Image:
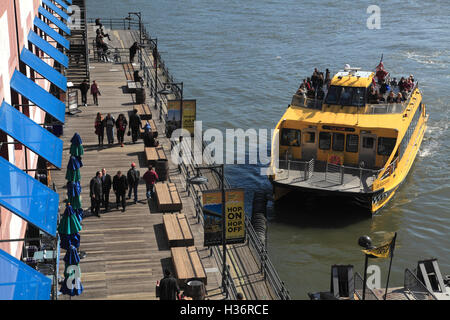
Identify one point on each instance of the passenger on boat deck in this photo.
(327, 76)
(381, 73)
(301, 90)
(315, 78)
(320, 80)
(394, 83)
(404, 95)
(308, 84)
(391, 97)
(373, 96)
(399, 98)
(311, 93)
(402, 84)
(380, 97)
(384, 87)
(411, 77)
(409, 84)
(320, 93)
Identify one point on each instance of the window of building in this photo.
(290, 137)
(352, 143)
(325, 140)
(338, 141)
(386, 145)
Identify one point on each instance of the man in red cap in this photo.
(133, 181)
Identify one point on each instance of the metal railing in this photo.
(416, 288)
(359, 283)
(311, 103)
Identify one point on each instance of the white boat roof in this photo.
(354, 73)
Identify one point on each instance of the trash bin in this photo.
(140, 95)
(195, 289)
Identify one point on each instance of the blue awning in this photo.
(18, 281)
(49, 73)
(52, 33)
(69, 1)
(30, 134)
(62, 4)
(48, 49)
(33, 92)
(55, 8)
(54, 20)
(28, 198)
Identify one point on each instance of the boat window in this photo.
(324, 140)
(346, 96)
(338, 141)
(352, 143)
(310, 137)
(333, 95)
(368, 142)
(290, 137)
(386, 145)
(358, 98)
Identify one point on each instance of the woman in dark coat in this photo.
(99, 128)
(121, 125)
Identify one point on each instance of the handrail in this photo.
(414, 286)
(359, 283)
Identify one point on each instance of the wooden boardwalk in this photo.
(128, 251)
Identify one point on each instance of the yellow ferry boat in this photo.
(347, 145)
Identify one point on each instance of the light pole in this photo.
(199, 180)
(139, 15)
(366, 243)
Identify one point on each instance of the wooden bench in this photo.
(167, 197)
(129, 71)
(144, 112)
(187, 265)
(178, 231)
(154, 154)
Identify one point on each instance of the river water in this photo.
(243, 60)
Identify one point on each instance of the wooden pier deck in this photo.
(128, 251)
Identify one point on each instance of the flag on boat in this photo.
(384, 251)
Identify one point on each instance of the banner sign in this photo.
(174, 118)
(234, 212)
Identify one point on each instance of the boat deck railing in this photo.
(295, 171)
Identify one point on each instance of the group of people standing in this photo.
(134, 125)
(313, 87)
(108, 124)
(101, 184)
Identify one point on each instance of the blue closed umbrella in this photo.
(68, 240)
(71, 256)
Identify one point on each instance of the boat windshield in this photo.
(346, 96)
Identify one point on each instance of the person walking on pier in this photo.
(168, 287)
(135, 125)
(106, 185)
(120, 188)
(109, 125)
(95, 92)
(121, 126)
(84, 88)
(133, 181)
(99, 128)
(95, 193)
(133, 49)
(150, 178)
